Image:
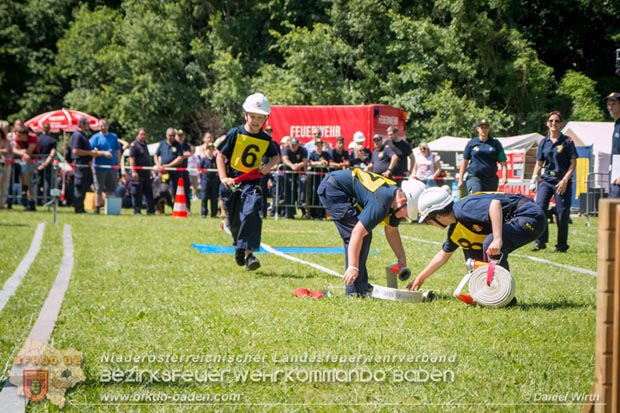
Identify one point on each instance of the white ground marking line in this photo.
(288, 257)
(10, 400)
(10, 286)
(536, 259)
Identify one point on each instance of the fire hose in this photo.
(489, 285)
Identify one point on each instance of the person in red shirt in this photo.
(25, 145)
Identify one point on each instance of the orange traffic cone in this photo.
(180, 208)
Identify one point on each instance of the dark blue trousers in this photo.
(482, 183)
(344, 214)
(243, 209)
(140, 189)
(546, 190)
(523, 226)
(83, 179)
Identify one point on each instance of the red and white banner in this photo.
(333, 121)
(517, 187)
(515, 164)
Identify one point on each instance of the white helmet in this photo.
(431, 200)
(257, 103)
(412, 189)
(358, 137)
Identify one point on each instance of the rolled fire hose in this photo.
(489, 286)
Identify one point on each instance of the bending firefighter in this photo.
(492, 223)
(239, 159)
(358, 201)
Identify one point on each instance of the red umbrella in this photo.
(65, 120)
(62, 119)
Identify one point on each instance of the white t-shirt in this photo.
(193, 163)
(425, 164)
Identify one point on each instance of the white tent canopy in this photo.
(597, 134)
(451, 148)
(513, 143)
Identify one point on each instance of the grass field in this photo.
(139, 289)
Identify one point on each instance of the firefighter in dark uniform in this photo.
(480, 158)
(141, 179)
(494, 223)
(82, 155)
(169, 154)
(242, 153)
(358, 201)
(558, 156)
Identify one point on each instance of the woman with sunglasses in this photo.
(427, 164)
(558, 156)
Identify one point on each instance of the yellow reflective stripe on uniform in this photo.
(248, 152)
(371, 180)
(466, 239)
(484, 193)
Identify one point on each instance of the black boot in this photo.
(24, 197)
(31, 206)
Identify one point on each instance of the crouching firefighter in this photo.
(358, 201)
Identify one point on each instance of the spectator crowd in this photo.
(91, 167)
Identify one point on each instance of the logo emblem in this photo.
(35, 384)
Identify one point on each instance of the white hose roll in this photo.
(498, 294)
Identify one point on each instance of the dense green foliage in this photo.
(190, 63)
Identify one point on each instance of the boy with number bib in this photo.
(240, 156)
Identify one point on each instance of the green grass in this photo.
(138, 288)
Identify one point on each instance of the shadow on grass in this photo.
(554, 305)
(8, 224)
(273, 274)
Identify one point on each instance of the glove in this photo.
(533, 183)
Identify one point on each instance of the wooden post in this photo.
(615, 366)
(605, 393)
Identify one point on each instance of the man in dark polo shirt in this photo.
(141, 179)
(47, 148)
(169, 155)
(82, 155)
(405, 154)
(186, 152)
(384, 159)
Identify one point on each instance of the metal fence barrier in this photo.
(588, 202)
(292, 190)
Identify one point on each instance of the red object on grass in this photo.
(466, 298)
(303, 292)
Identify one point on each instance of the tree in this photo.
(27, 51)
(580, 93)
(133, 70)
